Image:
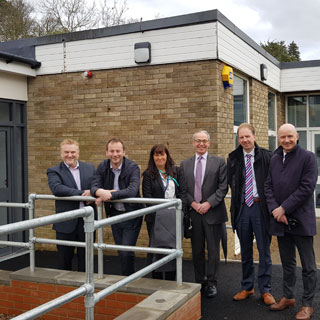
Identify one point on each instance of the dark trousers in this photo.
(251, 224)
(287, 247)
(126, 233)
(66, 253)
(202, 234)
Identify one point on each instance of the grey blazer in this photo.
(214, 186)
(62, 184)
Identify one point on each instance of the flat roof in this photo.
(26, 47)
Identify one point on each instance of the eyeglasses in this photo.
(198, 141)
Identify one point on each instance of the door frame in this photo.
(312, 134)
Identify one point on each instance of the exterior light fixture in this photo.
(142, 52)
(263, 72)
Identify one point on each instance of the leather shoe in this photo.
(268, 298)
(211, 291)
(282, 304)
(242, 295)
(304, 313)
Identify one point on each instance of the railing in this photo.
(90, 225)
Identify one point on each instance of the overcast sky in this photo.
(262, 20)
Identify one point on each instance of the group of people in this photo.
(271, 194)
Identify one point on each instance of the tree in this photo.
(281, 51)
(60, 16)
(16, 21)
(293, 51)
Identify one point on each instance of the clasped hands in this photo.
(279, 215)
(201, 208)
(103, 195)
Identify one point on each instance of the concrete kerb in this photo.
(164, 297)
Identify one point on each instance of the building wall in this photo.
(142, 105)
(13, 86)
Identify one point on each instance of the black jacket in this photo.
(129, 183)
(236, 180)
(152, 187)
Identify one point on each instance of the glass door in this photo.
(4, 181)
(315, 147)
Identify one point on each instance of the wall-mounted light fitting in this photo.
(263, 72)
(142, 52)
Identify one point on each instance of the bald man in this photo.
(289, 192)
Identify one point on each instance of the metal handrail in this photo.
(90, 225)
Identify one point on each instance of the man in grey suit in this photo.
(70, 178)
(206, 183)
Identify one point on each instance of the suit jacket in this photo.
(62, 184)
(153, 188)
(291, 184)
(214, 187)
(236, 180)
(129, 182)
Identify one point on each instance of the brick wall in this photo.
(143, 105)
(22, 296)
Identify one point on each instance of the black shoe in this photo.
(211, 291)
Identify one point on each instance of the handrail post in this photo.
(179, 241)
(31, 232)
(89, 230)
(100, 241)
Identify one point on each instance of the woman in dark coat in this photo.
(162, 179)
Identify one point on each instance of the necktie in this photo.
(198, 178)
(248, 196)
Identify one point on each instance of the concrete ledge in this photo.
(4, 277)
(164, 297)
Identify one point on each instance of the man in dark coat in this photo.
(70, 178)
(206, 183)
(117, 178)
(289, 192)
(249, 163)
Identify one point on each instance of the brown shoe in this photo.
(242, 295)
(268, 298)
(282, 304)
(304, 313)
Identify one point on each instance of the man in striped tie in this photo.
(247, 171)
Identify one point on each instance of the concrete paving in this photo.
(221, 307)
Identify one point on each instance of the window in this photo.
(240, 100)
(314, 111)
(297, 111)
(240, 104)
(272, 121)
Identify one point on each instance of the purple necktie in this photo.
(198, 178)
(248, 196)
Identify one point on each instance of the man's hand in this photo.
(105, 195)
(195, 206)
(87, 193)
(201, 208)
(204, 207)
(99, 201)
(279, 215)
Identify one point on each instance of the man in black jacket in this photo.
(247, 169)
(117, 178)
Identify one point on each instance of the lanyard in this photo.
(169, 178)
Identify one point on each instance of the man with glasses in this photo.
(206, 183)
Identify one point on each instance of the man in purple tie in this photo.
(248, 167)
(206, 184)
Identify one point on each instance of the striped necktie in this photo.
(248, 196)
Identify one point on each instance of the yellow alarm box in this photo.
(227, 76)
